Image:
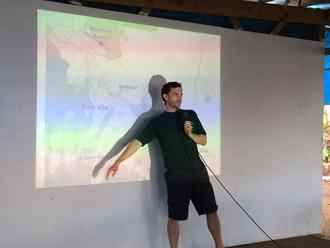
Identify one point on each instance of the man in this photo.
(178, 132)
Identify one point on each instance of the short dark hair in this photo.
(167, 87)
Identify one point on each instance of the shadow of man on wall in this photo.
(156, 212)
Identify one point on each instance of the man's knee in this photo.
(172, 221)
(212, 216)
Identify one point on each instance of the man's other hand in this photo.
(113, 169)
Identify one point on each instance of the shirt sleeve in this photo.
(147, 134)
(197, 125)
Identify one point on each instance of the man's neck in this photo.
(170, 109)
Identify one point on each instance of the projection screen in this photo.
(94, 80)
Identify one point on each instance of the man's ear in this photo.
(165, 96)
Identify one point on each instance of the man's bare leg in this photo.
(213, 223)
(173, 231)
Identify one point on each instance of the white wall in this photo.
(271, 91)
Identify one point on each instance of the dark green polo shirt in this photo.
(180, 154)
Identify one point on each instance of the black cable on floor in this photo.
(232, 197)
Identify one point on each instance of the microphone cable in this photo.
(233, 198)
(182, 117)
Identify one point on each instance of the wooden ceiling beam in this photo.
(279, 27)
(233, 8)
(313, 2)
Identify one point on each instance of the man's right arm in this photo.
(130, 149)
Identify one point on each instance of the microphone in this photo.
(181, 117)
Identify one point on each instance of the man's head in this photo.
(172, 94)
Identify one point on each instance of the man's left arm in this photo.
(200, 139)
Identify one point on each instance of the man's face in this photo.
(174, 98)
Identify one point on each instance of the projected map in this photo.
(93, 81)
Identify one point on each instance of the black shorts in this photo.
(179, 195)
